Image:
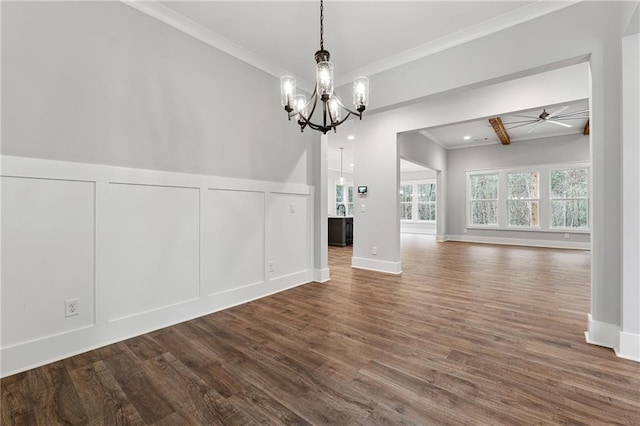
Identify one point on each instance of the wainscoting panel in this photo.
(153, 243)
(139, 249)
(48, 229)
(288, 227)
(233, 245)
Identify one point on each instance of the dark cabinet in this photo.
(340, 231)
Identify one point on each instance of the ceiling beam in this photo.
(498, 127)
(586, 129)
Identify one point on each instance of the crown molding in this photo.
(168, 16)
(526, 13)
(499, 23)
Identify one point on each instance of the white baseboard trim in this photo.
(39, 352)
(377, 265)
(574, 245)
(321, 275)
(418, 231)
(441, 238)
(629, 347)
(602, 333)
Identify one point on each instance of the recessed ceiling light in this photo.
(351, 137)
(352, 164)
(466, 138)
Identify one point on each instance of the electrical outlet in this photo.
(292, 207)
(271, 266)
(71, 308)
(567, 236)
(363, 208)
(374, 250)
(464, 230)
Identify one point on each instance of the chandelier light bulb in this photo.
(331, 107)
(361, 92)
(300, 106)
(287, 90)
(325, 79)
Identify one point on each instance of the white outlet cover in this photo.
(71, 307)
(363, 208)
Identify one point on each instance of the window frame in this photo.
(544, 194)
(469, 200)
(415, 203)
(587, 199)
(536, 200)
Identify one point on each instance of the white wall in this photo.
(100, 82)
(630, 318)
(140, 249)
(108, 102)
(536, 152)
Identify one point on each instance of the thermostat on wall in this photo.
(362, 190)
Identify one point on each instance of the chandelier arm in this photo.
(321, 25)
(357, 114)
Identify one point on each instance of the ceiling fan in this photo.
(556, 117)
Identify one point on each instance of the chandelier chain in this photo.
(321, 25)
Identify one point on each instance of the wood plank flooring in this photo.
(468, 334)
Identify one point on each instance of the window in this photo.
(522, 199)
(406, 202)
(569, 195)
(426, 201)
(483, 194)
(546, 197)
(344, 197)
(418, 201)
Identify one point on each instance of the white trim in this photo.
(49, 349)
(199, 32)
(321, 275)
(181, 23)
(573, 245)
(377, 265)
(441, 238)
(602, 333)
(629, 347)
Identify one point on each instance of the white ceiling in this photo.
(364, 38)
(451, 136)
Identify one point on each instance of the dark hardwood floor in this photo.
(468, 334)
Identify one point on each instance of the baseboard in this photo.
(418, 231)
(573, 245)
(441, 238)
(377, 265)
(321, 275)
(629, 346)
(39, 352)
(602, 333)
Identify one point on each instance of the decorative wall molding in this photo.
(149, 227)
(199, 32)
(574, 245)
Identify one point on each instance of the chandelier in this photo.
(297, 106)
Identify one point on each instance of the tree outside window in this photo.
(523, 199)
(406, 202)
(569, 194)
(483, 199)
(426, 201)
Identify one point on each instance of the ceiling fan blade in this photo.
(556, 112)
(534, 126)
(559, 123)
(526, 116)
